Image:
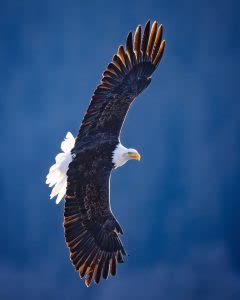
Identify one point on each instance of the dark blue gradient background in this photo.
(179, 207)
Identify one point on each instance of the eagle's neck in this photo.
(119, 157)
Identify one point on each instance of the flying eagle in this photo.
(81, 174)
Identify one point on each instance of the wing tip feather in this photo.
(146, 48)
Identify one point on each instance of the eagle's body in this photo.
(82, 172)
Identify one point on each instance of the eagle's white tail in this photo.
(57, 176)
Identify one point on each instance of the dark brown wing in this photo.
(91, 230)
(126, 76)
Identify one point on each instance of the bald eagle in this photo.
(81, 174)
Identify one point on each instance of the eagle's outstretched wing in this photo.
(126, 77)
(91, 230)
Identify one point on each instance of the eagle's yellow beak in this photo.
(136, 156)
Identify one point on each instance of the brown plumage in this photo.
(131, 66)
(91, 230)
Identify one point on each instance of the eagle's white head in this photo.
(122, 154)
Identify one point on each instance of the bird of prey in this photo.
(81, 174)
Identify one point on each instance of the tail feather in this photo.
(57, 176)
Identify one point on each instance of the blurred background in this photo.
(179, 207)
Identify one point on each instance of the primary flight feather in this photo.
(82, 171)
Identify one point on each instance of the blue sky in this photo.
(179, 207)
